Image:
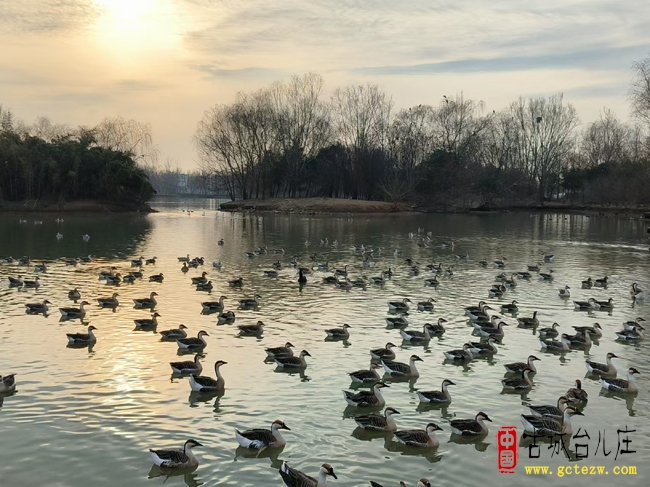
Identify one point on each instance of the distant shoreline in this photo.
(342, 205)
(85, 206)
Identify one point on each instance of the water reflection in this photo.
(190, 478)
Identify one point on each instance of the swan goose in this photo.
(518, 383)
(519, 367)
(205, 286)
(147, 322)
(82, 338)
(200, 280)
(397, 321)
(339, 333)
(596, 330)
(550, 332)
(201, 383)
(74, 295)
(378, 422)
(470, 427)
(461, 355)
(510, 308)
(400, 369)
(32, 284)
(256, 329)
(484, 348)
(384, 353)
(418, 336)
(371, 398)
(260, 439)
(75, 312)
(291, 362)
(441, 396)
(631, 325)
(489, 331)
(548, 411)
(621, 385)
(635, 334)
(213, 305)
(187, 367)
(176, 458)
(563, 344)
(577, 393)
(7, 383)
(366, 376)
(38, 307)
(286, 350)
(420, 438)
(591, 303)
(250, 302)
(565, 293)
(111, 302)
(528, 322)
(193, 343)
(149, 302)
(295, 478)
(399, 305)
(175, 333)
(550, 426)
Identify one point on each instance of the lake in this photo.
(88, 417)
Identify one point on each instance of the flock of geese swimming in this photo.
(487, 333)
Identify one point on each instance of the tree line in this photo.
(287, 141)
(55, 163)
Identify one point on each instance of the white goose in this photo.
(176, 458)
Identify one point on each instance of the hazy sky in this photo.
(166, 61)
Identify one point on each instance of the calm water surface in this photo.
(88, 417)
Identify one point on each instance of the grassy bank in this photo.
(315, 205)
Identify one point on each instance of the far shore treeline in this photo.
(287, 141)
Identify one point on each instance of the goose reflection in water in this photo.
(190, 478)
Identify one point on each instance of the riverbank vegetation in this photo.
(286, 141)
(50, 165)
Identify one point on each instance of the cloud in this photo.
(45, 16)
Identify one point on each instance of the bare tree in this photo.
(640, 91)
(130, 136)
(605, 140)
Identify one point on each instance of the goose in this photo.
(341, 272)
(295, 478)
(437, 329)
(586, 305)
(432, 282)
(136, 274)
(74, 312)
(25, 261)
(450, 271)
(546, 276)
(371, 398)
(524, 275)
(358, 282)
(174, 334)
(147, 323)
(482, 348)
(577, 393)
(549, 257)
(383, 353)
(588, 283)
(460, 355)
(278, 251)
(483, 263)
(239, 282)
(260, 439)
(74, 295)
(637, 293)
(549, 332)
(177, 458)
(149, 302)
(609, 304)
(621, 385)
(200, 280)
(441, 396)
(220, 242)
(8, 260)
(450, 244)
(184, 259)
(187, 367)
(426, 305)
(226, 317)
(417, 336)
(470, 427)
(535, 268)
(345, 284)
(217, 264)
(546, 426)
(510, 283)
(7, 383)
(59, 236)
(40, 267)
(366, 376)
(38, 307)
(250, 302)
(596, 330)
(330, 280)
(563, 345)
(193, 343)
(631, 325)
(518, 383)
(340, 333)
(157, 278)
(463, 256)
(273, 274)
(580, 339)
(129, 278)
(71, 262)
(105, 274)
(496, 291)
(379, 280)
(206, 286)
(137, 262)
(399, 369)
(601, 282)
(635, 334)
(564, 293)
(489, 331)
(475, 312)
(114, 280)
(211, 306)
(378, 422)
(151, 261)
(286, 350)
(420, 438)
(291, 362)
(82, 338)
(202, 383)
(397, 321)
(518, 367)
(529, 322)
(548, 411)
(185, 269)
(399, 305)
(32, 284)
(606, 369)
(256, 329)
(500, 263)
(484, 322)
(436, 269)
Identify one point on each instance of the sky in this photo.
(165, 62)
